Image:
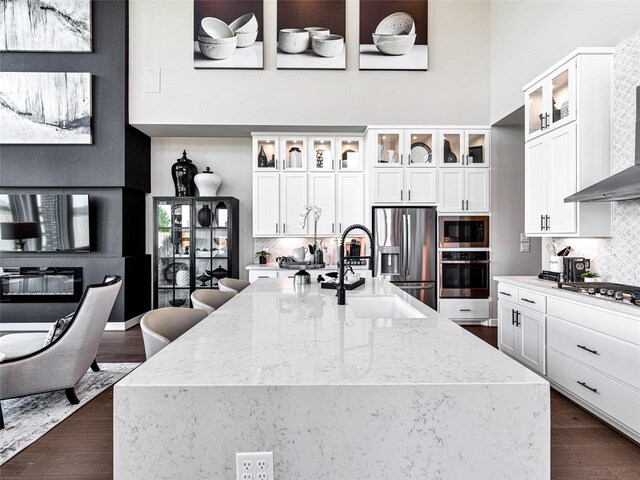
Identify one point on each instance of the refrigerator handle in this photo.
(409, 249)
(404, 244)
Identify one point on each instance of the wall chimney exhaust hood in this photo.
(624, 185)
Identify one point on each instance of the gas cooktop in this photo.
(615, 292)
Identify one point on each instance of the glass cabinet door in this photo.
(173, 223)
(293, 153)
(321, 154)
(477, 148)
(421, 148)
(350, 154)
(210, 246)
(265, 153)
(535, 106)
(388, 149)
(562, 95)
(451, 149)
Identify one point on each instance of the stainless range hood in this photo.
(621, 186)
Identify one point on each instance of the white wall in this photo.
(455, 90)
(229, 157)
(527, 37)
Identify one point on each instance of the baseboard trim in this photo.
(43, 327)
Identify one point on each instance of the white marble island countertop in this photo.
(333, 396)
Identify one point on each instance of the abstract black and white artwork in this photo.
(45, 107)
(45, 25)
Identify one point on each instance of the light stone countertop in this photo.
(548, 287)
(269, 335)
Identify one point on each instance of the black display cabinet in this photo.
(195, 244)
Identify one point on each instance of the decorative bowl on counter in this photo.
(293, 40)
(211, 27)
(399, 23)
(247, 23)
(327, 45)
(394, 44)
(313, 31)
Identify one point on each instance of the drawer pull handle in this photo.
(465, 309)
(527, 300)
(263, 276)
(505, 293)
(594, 390)
(595, 352)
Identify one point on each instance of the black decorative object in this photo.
(203, 279)
(557, 113)
(219, 272)
(475, 154)
(449, 156)
(178, 302)
(204, 216)
(319, 158)
(183, 173)
(262, 158)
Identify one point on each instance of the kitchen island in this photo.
(336, 392)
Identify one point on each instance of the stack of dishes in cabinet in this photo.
(218, 41)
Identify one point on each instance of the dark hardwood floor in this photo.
(81, 447)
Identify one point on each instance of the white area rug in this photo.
(28, 418)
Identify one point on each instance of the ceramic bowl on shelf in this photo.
(313, 31)
(327, 45)
(247, 23)
(218, 51)
(246, 39)
(211, 27)
(399, 23)
(293, 40)
(394, 44)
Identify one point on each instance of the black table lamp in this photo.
(19, 231)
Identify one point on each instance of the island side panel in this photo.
(348, 432)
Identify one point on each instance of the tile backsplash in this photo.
(283, 247)
(617, 259)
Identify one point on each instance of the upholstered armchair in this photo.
(30, 367)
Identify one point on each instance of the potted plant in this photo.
(262, 256)
(589, 276)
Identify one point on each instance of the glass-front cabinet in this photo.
(420, 148)
(349, 153)
(265, 153)
(464, 148)
(195, 245)
(293, 153)
(322, 154)
(388, 149)
(551, 102)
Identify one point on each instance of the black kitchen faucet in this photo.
(341, 293)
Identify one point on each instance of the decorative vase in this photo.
(219, 273)
(319, 258)
(204, 216)
(222, 215)
(295, 158)
(208, 183)
(449, 156)
(183, 173)
(262, 158)
(182, 278)
(262, 260)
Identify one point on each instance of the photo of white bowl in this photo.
(327, 45)
(246, 39)
(394, 44)
(217, 41)
(293, 40)
(218, 50)
(399, 23)
(313, 31)
(247, 23)
(214, 28)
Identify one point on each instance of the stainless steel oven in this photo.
(464, 232)
(464, 274)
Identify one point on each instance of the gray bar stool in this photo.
(162, 326)
(232, 285)
(210, 300)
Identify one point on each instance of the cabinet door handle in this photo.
(402, 159)
(595, 352)
(277, 227)
(462, 204)
(284, 227)
(527, 300)
(548, 222)
(400, 195)
(263, 276)
(505, 293)
(408, 158)
(541, 222)
(409, 193)
(333, 165)
(467, 206)
(465, 309)
(340, 227)
(333, 228)
(594, 390)
(284, 164)
(546, 120)
(513, 317)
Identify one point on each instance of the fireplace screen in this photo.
(47, 284)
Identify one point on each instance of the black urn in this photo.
(204, 216)
(183, 173)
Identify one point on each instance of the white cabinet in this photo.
(293, 153)
(349, 154)
(266, 204)
(322, 193)
(293, 197)
(464, 190)
(521, 334)
(262, 273)
(465, 310)
(388, 185)
(421, 185)
(468, 148)
(264, 153)
(322, 154)
(405, 186)
(350, 200)
(568, 147)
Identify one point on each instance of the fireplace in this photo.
(40, 284)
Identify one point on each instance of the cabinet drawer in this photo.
(617, 325)
(602, 352)
(465, 308)
(612, 397)
(257, 274)
(508, 293)
(534, 301)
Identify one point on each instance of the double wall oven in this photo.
(464, 273)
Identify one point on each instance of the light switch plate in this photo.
(524, 238)
(525, 247)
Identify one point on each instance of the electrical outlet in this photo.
(525, 247)
(254, 466)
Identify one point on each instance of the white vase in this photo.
(182, 278)
(208, 183)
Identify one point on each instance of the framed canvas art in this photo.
(228, 34)
(393, 35)
(311, 34)
(45, 108)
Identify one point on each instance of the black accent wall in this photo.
(115, 171)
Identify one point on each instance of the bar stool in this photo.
(162, 326)
(210, 300)
(232, 285)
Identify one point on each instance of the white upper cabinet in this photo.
(265, 153)
(322, 194)
(322, 154)
(477, 191)
(568, 147)
(293, 153)
(351, 200)
(266, 204)
(464, 148)
(420, 148)
(388, 186)
(349, 154)
(422, 186)
(293, 197)
(387, 149)
(464, 190)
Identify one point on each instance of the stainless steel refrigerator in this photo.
(406, 249)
